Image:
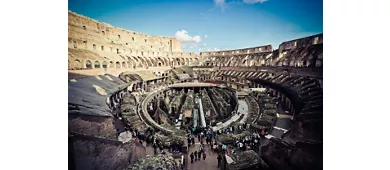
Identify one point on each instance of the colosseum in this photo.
(137, 101)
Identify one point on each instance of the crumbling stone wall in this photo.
(302, 42)
(280, 155)
(302, 52)
(92, 126)
(87, 29)
(265, 48)
(91, 153)
(97, 45)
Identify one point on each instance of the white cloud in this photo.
(184, 37)
(196, 38)
(205, 36)
(220, 3)
(204, 44)
(188, 45)
(254, 1)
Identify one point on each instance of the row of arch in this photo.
(248, 62)
(132, 62)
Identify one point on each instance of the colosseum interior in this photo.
(135, 101)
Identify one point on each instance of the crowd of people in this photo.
(250, 142)
(203, 134)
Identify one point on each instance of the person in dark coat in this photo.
(189, 141)
(192, 157)
(192, 140)
(204, 155)
(196, 155)
(219, 158)
(199, 155)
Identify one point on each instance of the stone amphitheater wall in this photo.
(91, 153)
(81, 28)
(302, 42)
(91, 41)
(251, 50)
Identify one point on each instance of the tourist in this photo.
(219, 158)
(183, 162)
(215, 147)
(241, 146)
(204, 155)
(196, 155)
(199, 155)
(189, 141)
(155, 151)
(192, 140)
(192, 157)
(223, 148)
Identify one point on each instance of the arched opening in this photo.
(97, 64)
(159, 64)
(160, 60)
(77, 64)
(304, 63)
(124, 65)
(129, 65)
(141, 62)
(118, 64)
(187, 61)
(112, 65)
(148, 62)
(153, 62)
(104, 64)
(88, 64)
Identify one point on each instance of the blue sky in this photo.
(204, 25)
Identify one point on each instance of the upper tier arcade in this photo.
(302, 52)
(86, 32)
(96, 45)
(301, 42)
(252, 50)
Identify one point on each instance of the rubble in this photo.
(246, 160)
(159, 162)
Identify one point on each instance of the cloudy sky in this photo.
(204, 25)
